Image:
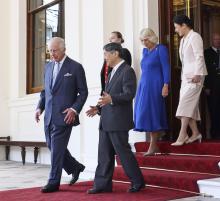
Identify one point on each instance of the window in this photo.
(45, 19)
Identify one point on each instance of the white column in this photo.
(4, 71)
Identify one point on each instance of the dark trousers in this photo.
(57, 138)
(109, 144)
(214, 108)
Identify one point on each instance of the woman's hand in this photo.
(165, 90)
(196, 78)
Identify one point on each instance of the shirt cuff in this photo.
(74, 111)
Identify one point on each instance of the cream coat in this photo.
(193, 63)
(192, 56)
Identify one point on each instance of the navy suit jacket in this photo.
(69, 91)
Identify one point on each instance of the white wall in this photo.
(4, 72)
(88, 25)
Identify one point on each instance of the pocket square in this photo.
(67, 75)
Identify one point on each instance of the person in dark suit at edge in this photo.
(64, 94)
(116, 119)
(212, 84)
(115, 37)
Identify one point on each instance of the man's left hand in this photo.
(70, 116)
(105, 99)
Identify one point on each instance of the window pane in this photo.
(45, 23)
(38, 63)
(52, 17)
(54, 24)
(39, 30)
(37, 3)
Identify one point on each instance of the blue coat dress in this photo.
(149, 110)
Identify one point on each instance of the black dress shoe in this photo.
(95, 191)
(135, 189)
(49, 188)
(75, 174)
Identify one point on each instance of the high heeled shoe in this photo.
(194, 139)
(152, 152)
(180, 143)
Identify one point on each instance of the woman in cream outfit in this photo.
(192, 76)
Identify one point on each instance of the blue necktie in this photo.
(56, 70)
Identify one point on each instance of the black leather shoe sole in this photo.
(49, 189)
(96, 191)
(76, 175)
(134, 189)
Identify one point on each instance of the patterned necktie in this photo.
(56, 70)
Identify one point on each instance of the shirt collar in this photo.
(61, 62)
(214, 48)
(115, 68)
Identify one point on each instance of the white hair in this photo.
(149, 34)
(58, 40)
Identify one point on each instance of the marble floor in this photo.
(14, 175)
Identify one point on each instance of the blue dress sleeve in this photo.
(164, 60)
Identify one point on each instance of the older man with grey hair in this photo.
(64, 94)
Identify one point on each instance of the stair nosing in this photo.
(178, 154)
(167, 188)
(177, 171)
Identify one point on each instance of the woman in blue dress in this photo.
(150, 111)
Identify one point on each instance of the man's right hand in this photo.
(37, 115)
(92, 111)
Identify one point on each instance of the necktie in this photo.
(56, 70)
(112, 74)
(218, 52)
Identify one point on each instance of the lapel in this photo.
(181, 49)
(187, 40)
(114, 78)
(60, 75)
(184, 43)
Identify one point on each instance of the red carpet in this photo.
(177, 167)
(178, 180)
(180, 169)
(204, 148)
(78, 193)
(183, 163)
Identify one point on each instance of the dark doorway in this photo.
(206, 18)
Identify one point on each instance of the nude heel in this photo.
(194, 139)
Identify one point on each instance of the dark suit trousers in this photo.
(214, 108)
(109, 144)
(57, 138)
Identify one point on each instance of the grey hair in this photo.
(149, 34)
(58, 40)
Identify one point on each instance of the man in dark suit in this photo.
(65, 92)
(115, 122)
(212, 84)
(115, 37)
